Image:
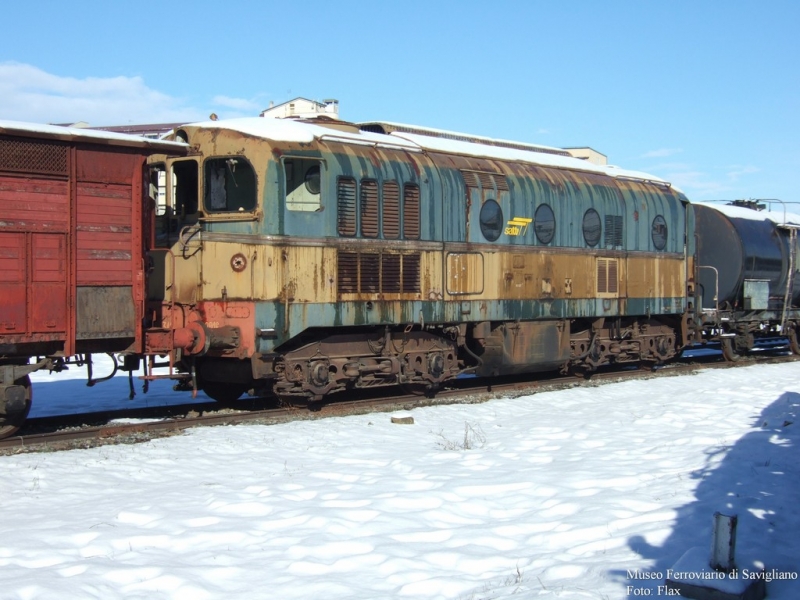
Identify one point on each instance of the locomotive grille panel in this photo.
(347, 273)
(369, 208)
(411, 273)
(411, 212)
(346, 203)
(471, 179)
(370, 273)
(391, 210)
(33, 157)
(487, 181)
(391, 273)
(613, 228)
(374, 273)
(607, 276)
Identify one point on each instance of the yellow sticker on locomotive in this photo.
(517, 226)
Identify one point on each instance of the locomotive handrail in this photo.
(789, 275)
(189, 231)
(346, 140)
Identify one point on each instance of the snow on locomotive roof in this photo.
(518, 155)
(306, 131)
(301, 131)
(88, 135)
(389, 127)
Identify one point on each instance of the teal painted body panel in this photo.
(270, 315)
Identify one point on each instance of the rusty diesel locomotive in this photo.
(310, 257)
(304, 257)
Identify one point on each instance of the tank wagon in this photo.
(74, 232)
(748, 284)
(309, 257)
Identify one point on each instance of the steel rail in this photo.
(469, 392)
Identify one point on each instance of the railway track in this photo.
(116, 431)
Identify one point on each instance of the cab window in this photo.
(303, 179)
(230, 185)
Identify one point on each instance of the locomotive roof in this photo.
(401, 137)
(59, 132)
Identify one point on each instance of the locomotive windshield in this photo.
(230, 185)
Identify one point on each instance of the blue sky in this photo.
(704, 94)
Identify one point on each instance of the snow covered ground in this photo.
(576, 494)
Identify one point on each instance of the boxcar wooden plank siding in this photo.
(104, 239)
(48, 283)
(13, 268)
(32, 205)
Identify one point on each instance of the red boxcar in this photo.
(74, 231)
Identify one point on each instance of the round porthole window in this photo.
(491, 219)
(312, 179)
(544, 224)
(591, 227)
(659, 233)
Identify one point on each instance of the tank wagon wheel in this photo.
(11, 423)
(729, 352)
(794, 343)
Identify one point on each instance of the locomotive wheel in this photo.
(729, 350)
(10, 424)
(794, 343)
(224, 393)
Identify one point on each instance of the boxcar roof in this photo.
(76, 134)
(306, 132)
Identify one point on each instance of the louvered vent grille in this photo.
(607, 276)
(411, 273)
(378, 273)
(391, 274)
(369, 208)
(391, 210)
(33, 157)
(488, 181)
(602, 276)
(346, 202)
(411, 212)
(501, 183)
(347, 273)
(613, 231)
(613, 278)
(471, 179)
(370, 273)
